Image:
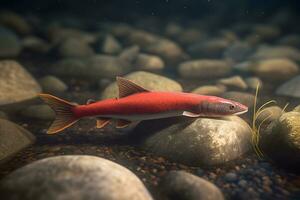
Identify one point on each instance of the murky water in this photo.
(75, 50)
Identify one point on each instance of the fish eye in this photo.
(231, 107)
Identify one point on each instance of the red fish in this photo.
(136, 104)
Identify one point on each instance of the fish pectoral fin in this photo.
(190, 114)
(102, 122)
(121, 123)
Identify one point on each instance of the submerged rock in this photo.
(14, 138)
(3, 115)
(110, 45)
(73, 47)
(35, 44)
(10, 45)
(167, 50)
(73, 177)
(14, 22)
(281, 140)
(238, 51)
(269, 114)
(204, 69)
(150, 63)
(267, 52)
(234, 82)
(145, 79)
(41, 112)
(16, 83)
(186, 186)
(266, 32)
(242, 97)
(252, 82)
(197, 142)
(53, 85)
(214, 90)
(290, 88)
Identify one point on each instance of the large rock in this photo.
(52, 84)
(275, 69)
(281, 140)
(73, 47)
(73, 177)
(267, 52)
(146, 79)
(237, 51)
(110, 45)
(14, 22)
(40, 112)
(16, 83)
(186, 186)
(204, 69)
(291, 88)
(148, 62)
(197, 142)
(10, 45)
(234, 82)
(214, 90)
(14, 138)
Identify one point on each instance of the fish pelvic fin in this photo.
(64, 113)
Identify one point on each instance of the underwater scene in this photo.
(149, 100)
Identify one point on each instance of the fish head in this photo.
(217, 106)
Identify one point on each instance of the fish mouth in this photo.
(241, 112)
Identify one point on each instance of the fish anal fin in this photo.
(121, 123)
(101, 123)
(127, 87)
(190, 114)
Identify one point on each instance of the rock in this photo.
(120, 30)
(105, 66)
(268, 52)
(290, 88)
(204, 69)
(234, 82)
(190, 36)
(58, 35)
(150, 63)
(71, 67)
(231, 177)
(14, 138)
(145, 79)
(197, 142)
(173, 29)
(281, 141)
(186, 186)
(266, 32)
(73, 47)
(111, 45)
(252, 82)
(130, 54)
(290, 40)
(269, 115)
(277, 69)
(10, 45)
(237, 51)
(242, 97)
(3, 115)
(167, 50)
(297, 108)
(73, 177)
(142, 38)
(16, 83)
(14, 22)
(41, 112)
(213, 90)
(53, 85)
(35, 44)
(212, 48)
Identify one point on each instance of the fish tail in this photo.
(64, 113)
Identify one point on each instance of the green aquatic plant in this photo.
(256, 129)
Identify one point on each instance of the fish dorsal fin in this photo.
(127, 87)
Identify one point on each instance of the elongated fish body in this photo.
(136, 103)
